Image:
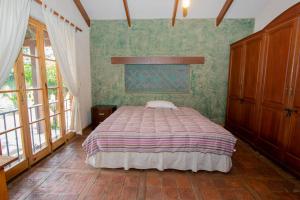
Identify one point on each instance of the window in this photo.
(54, 90)
(34, 89)
(10, 126)
(35, 106)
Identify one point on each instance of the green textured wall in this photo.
(157, 37)
(142, 78)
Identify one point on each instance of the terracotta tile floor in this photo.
(64, 175)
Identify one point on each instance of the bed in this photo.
(161, 138)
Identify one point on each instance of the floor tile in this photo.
(65, 175)
(154, 193)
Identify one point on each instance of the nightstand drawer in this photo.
(101, 115)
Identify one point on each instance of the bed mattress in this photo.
(158, 130)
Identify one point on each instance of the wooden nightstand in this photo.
(101, 112)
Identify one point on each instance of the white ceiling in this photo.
(154, 9)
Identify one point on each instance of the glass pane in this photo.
(9, 114)
(51, 73)
(11, 145)
(29, 46)
(67, 99)
(53, 101)
(48, 48)
(37, 133)
(55, 127)
(67, 106)
(68, 103)
(10, 83)
(68, 120)
(9, 120)
(32, 72)
(35, 105)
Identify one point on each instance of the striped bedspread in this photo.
(148, 130)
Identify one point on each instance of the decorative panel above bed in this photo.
(157, 78)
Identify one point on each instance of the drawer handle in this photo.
(101, 114)
(290, 111)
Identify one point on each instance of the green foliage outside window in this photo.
(10, 82)
(10, 85)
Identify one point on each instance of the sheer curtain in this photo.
(62, 38)
(14, 16)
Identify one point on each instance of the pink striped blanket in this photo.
(148, 130)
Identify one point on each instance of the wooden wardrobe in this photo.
(263, 103)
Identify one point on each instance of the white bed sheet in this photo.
(194, 161)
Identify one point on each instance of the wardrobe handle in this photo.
(290, 111)
(294, 110)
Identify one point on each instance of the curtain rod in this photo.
(61, 17)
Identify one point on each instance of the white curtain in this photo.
(14, 16)
(62, 38)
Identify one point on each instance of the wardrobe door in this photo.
(251, 87)
(234, 86)
(292, 156)
(279, 59)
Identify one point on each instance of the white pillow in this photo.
(160, 104)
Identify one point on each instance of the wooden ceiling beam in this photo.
(223, 12)
(83, 12)
(127, 12)
(176, 2)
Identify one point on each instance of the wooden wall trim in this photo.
(158, 60)
(83, 12)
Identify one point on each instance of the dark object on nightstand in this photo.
(100, 113)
